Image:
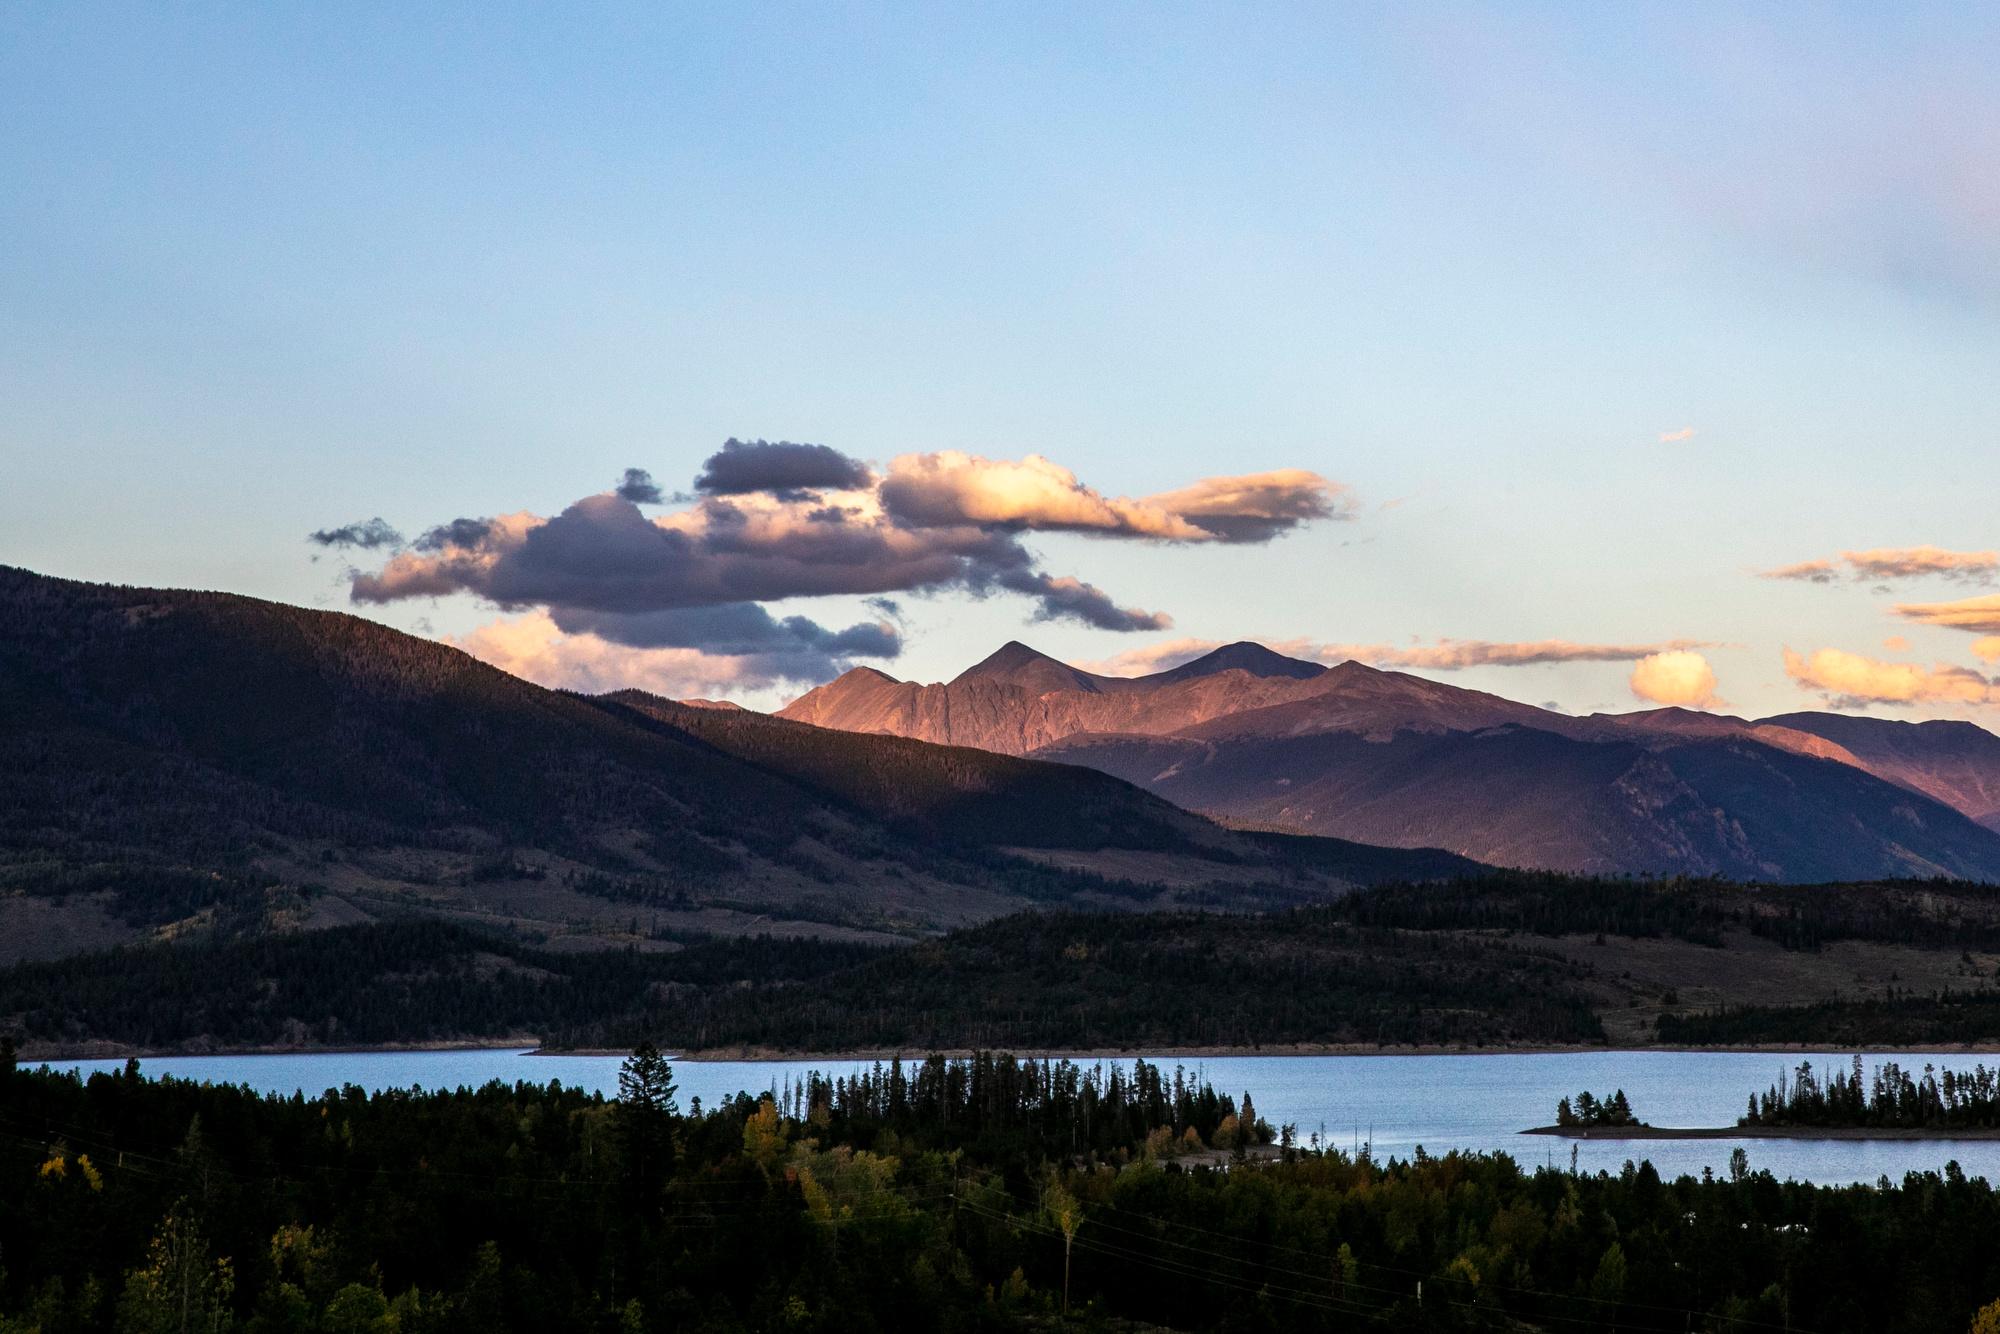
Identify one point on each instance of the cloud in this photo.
(792, 648)
(1883, 563)
(949, 488)
(1916, 562)
(1443, 655)
(1849, 680)
(1448, 655)
(639, 488)
(1066, 598)
(742, 467)
(1805, 571)
(1678, 677)
(1150, 658)
(457, 533)
(1675, 437)
(1987, 649)
(367, 535)
(1896, 644)
(783, 521)
(1256, 507)
(1980, 615)
(535, 648)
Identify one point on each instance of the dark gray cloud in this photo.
(639, 488)
(762, 531)
(793, 648)
(602, 554)
(1062, 598)
(367, 535)
(734, 628)
(457, 533)
(780, 467)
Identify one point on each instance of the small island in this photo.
(1890, 1104)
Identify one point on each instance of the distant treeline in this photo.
(1931, 913)
(1446, 963)
(1075, 980)
(974, 1195)
(1896, 1018)
(1890, 1097)
(410, 981)
(1042, 980)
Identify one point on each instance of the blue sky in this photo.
(268, 271)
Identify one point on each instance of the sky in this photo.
(1597, 356)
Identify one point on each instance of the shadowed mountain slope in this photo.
(169, 760)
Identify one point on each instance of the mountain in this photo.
(1956, 762)
(180, 761)
(1238, 690)
(1387, 758)
(1252, 659)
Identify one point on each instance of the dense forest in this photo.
(958, 1195)
(1040, 980)
(1894, 1018)
(1474, 961)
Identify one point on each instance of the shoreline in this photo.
(1943, 1133)
(531, 1046)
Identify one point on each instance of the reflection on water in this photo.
(1398, 1102)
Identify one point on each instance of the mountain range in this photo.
(1261, 740)
(181, 761)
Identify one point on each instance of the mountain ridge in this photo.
(1673, 790)
(190, 761)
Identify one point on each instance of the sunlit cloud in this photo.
(1979, 615)
(950, 488)
(1849, 680)
(1443, 655)
(1805, 571)
(1879, 564)
(1987, 649)
(1896, 644)
(1918, 562)
(1675, 437)
(1679, 677)
(534, 648)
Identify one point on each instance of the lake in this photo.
(1398, 1102)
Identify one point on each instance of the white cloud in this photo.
(1851, 679)
(1677, 677)
(533, 648)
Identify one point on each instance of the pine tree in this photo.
(646, 1116)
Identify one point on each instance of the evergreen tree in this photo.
(646, 1115)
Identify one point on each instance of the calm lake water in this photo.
(1400, 1102)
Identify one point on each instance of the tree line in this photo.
(1889, 1096)
(975, 1194)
